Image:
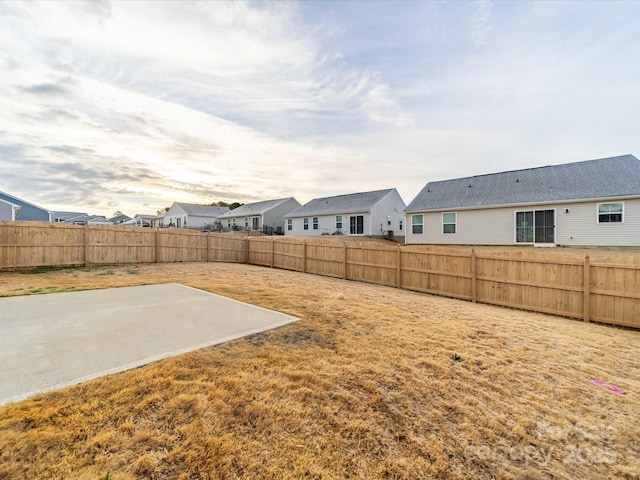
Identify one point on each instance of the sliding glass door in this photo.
(535, 226)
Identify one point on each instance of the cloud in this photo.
(46, 89)
(481, 24)
(130, 103)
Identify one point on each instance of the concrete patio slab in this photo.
(56, 340)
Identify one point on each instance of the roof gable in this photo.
(591, 179)
(19, 201)
(349, 203)
(256, 208)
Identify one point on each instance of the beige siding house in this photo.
(375, 214)
(591, 203)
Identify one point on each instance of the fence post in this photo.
(586, 301)
(246, 249)
(272, 251)
(208, 245)
(157, 245)
(344, 262)
(86, 245)
(474, 295)
(399, 268)
(304, 256)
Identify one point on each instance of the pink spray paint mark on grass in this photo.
(609, 386)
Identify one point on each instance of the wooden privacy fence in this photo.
(606, 291)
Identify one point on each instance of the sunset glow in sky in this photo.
(129, 106)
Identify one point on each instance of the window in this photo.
(178, 222)
(289, 224)
(356, 225)
(610, 212)
(315, 223)
(524, 227)
(338, 222)
(246, 222)
(305, 223)
(417, 224)
(449, 222)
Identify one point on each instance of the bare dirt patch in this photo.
(372, 382)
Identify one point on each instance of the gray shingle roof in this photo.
(349, 203)
(202, 210)
(591, 179)
(256, 208)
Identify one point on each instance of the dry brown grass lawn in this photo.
(381, 383)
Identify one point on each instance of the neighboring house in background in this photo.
(143, 220)
(188, 215)
(59, 217)
(267, 215)
(377, 213)
(92, 220)
(119, 218)
(8, 211)
(27, 211)
(590, 203)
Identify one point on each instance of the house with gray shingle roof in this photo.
(590, 203)
(59, 217)
(266, 216)
(371, 214)
(189, 215)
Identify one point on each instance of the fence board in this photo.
(372, 265)
(325, 259)
(615, 293)
(288, 255)
(119, 245)
(606, 291)
(260, 250)
(227, 248)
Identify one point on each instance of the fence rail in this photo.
(602, 290)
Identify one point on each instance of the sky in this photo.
(130, 106)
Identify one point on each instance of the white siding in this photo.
(496, 226)
(389, 209)
(194, 221)
(580, 225)
(275, 217)
(176, 212)
(473, 227)
(173, 214)
(326, 225)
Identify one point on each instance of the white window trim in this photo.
(416, 224)
(515, 227)
(455, 223)
(534, 210)
(356, 224)
(598, 213)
